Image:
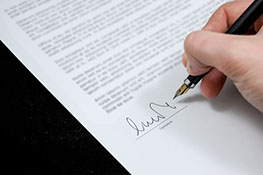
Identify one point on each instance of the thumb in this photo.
(225, 52)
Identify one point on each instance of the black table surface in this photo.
(40, 135)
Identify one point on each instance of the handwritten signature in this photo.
(160, 116)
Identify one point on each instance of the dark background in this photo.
(39, 135)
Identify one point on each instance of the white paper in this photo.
(115, 65)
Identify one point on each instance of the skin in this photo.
(238, 57)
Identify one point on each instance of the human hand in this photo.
(239, 57)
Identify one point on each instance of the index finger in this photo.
(226, 15)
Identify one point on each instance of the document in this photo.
(115, 65)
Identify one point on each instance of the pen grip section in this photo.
(194, 80)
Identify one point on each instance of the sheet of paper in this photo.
(115, 65)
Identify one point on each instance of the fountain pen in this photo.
(240, 26)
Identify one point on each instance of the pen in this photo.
(240, 26)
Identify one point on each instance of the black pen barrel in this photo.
(241, 25)
(247, 18)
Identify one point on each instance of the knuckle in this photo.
(190, 42)
(222, 9)
(226, 5)
(197, 42)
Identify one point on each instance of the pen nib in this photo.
(182, 90)
(176, 94)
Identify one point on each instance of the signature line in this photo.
(162, 122)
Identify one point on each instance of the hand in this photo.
(239, 57)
